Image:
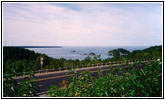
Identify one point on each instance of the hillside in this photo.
(151, 52)
(18, 59)
(118, 52)
(14, 53)
(148, 53)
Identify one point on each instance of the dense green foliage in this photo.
(26, 88)
(19, 59)
(136, 82)
(18, 53)
(149, 53)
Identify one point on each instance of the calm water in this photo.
(66, 52)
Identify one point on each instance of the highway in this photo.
(45, 80)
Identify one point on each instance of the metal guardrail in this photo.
(82, 66)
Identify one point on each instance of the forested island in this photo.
(118, 52)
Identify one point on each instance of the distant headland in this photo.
(35, 46)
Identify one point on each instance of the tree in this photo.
(97, 58)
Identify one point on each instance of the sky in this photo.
(82, 24)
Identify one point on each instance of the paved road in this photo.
(54, 78)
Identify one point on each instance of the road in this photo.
(45, 80)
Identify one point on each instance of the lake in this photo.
(70, 52)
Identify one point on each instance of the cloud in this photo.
(81, 24)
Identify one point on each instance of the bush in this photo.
(26, 88)
(137, 82)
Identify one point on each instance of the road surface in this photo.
(46, 80)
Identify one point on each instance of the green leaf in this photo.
(147, 94)
(106, 93)
(133, 76)
(32, 80)
(12, 88)
(143, 72)
(132, 92)
(69, 73)
(70, 69)
(140, 85)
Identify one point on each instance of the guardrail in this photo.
(79, 67)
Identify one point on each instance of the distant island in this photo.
(73, 51)
(119, 51)
(35, 46)
(90, 54)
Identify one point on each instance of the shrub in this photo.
(136, 82)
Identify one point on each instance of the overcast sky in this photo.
(82, 24)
